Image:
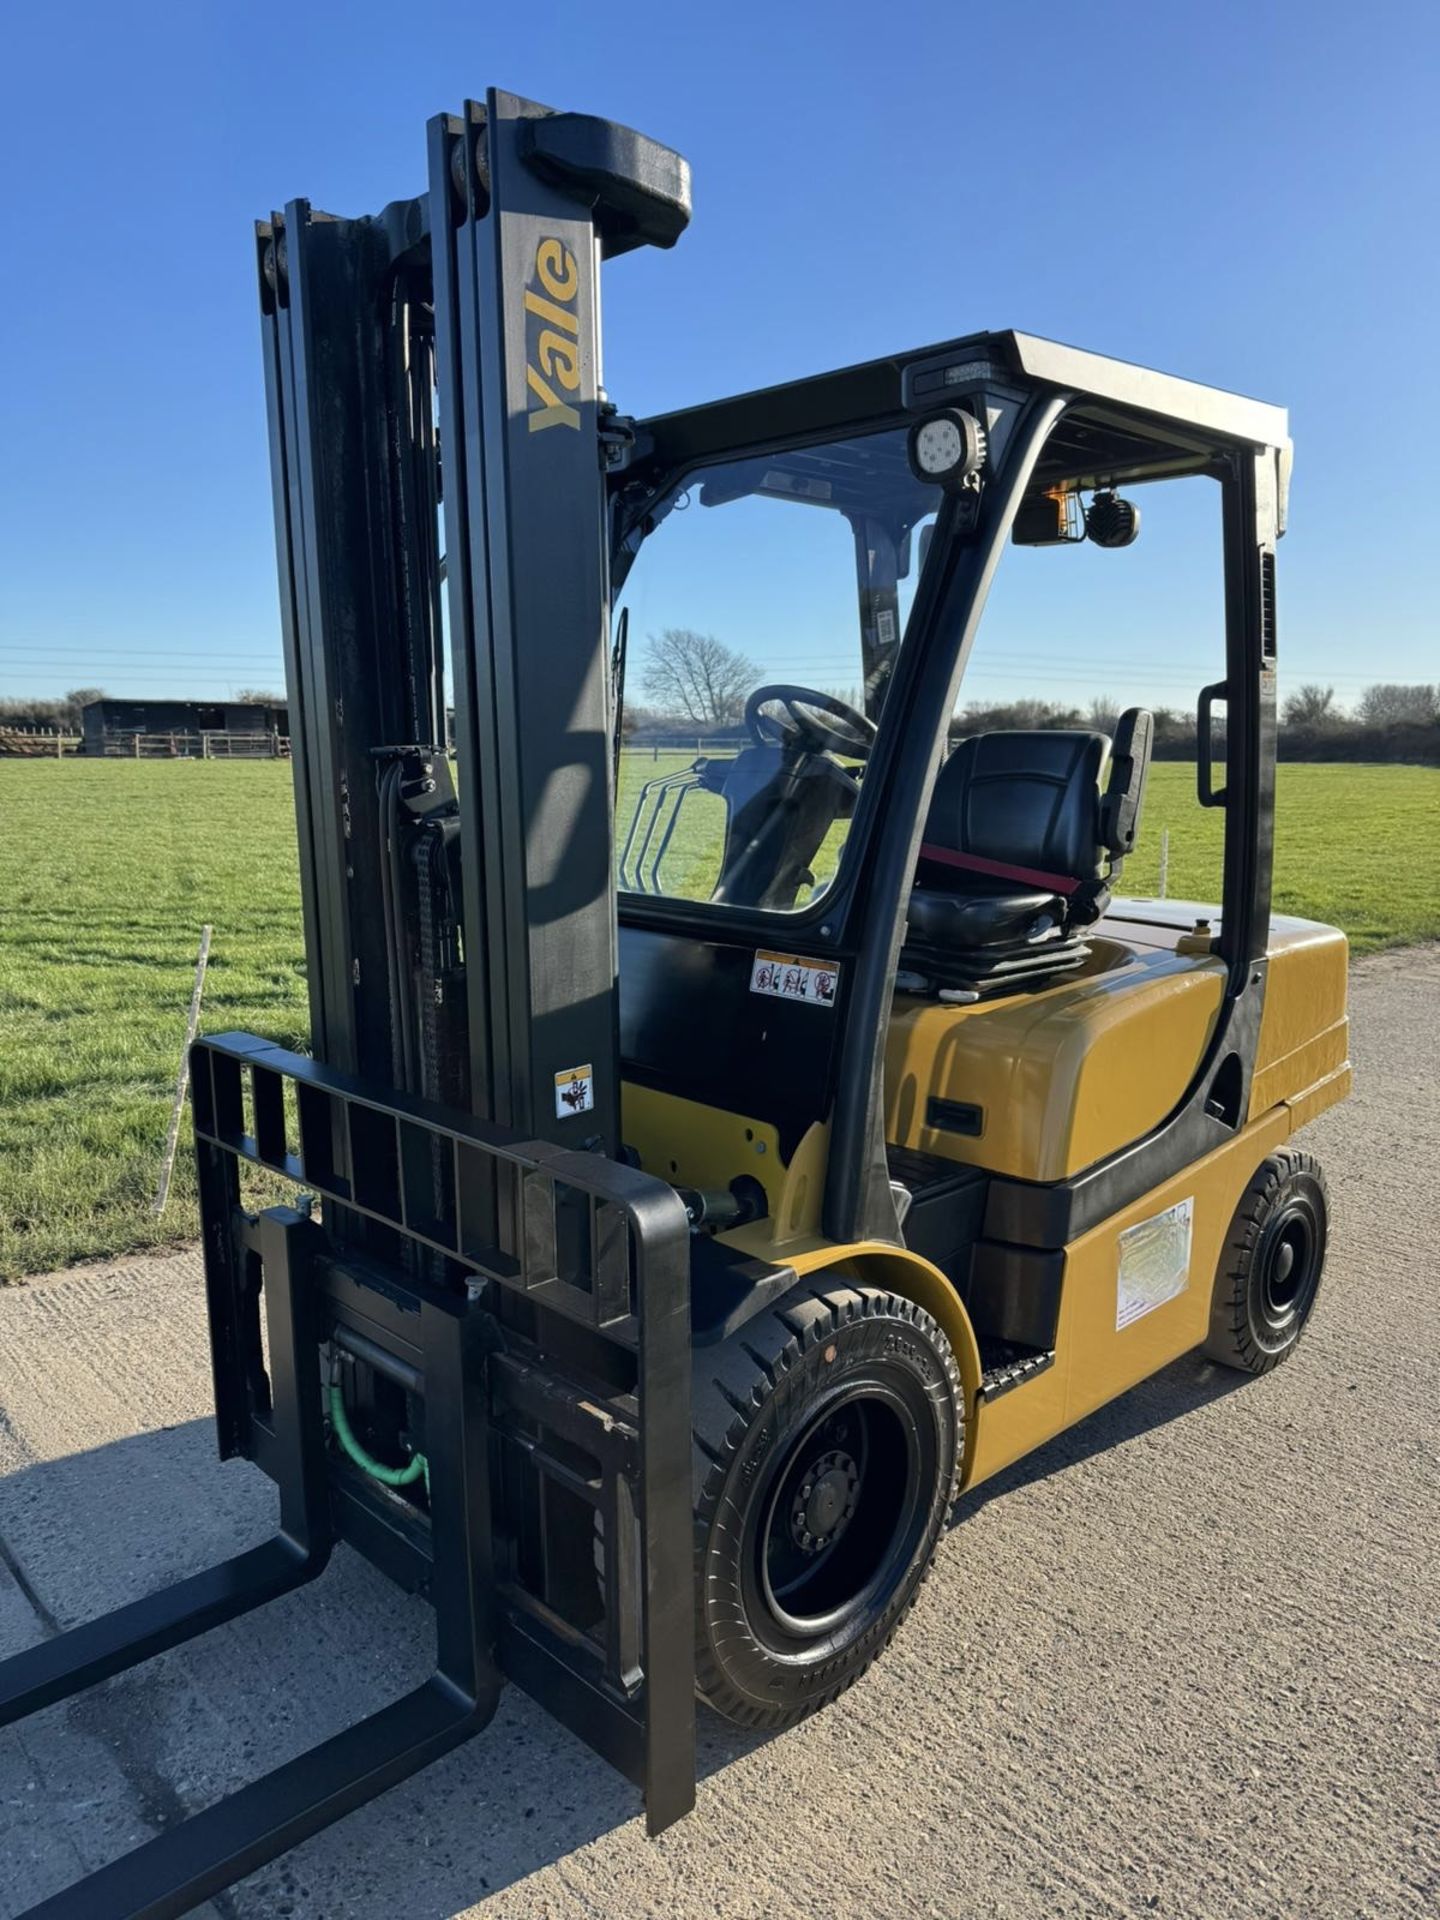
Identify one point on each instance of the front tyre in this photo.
(827, 1440)
(1270, 1270)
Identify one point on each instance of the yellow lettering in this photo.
(557, 348)
(556, 267)
(552, 411)
(560, 359)
(547, 310)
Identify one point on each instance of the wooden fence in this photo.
(217, 745)
(34, 743)
(30, 743)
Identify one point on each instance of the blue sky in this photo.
(1243, 193)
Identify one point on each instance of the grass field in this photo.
(109, 869)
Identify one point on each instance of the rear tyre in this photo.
(1270, 1270)
(827, 1440)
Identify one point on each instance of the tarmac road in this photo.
(1185, 1661)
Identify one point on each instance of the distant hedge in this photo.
(1397, 744)
(1415, 743)
(1348, 740)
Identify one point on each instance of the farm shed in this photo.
(111, 726)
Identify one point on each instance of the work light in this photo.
(947, 448)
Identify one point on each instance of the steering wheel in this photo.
(808, 720)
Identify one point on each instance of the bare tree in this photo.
(258, 697)
(696, 675)
(1104, 714)
(1388, 705)
(76, 701)
(1310, 706)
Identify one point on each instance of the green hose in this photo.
(415, 1468)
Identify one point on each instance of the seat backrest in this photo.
(1125, 787)
(1029, 799)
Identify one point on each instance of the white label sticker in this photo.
(787, 976)
(1154, 1263)
(574, 1092)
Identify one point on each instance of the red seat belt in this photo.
(1062, 883)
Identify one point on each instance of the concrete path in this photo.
(1185, 1661)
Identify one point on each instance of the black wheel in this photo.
(827, 1441)
(1270, 1269)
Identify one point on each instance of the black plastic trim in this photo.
(1014, 1294)
(728, 1288)
(955, 1116)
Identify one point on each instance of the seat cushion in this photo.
(952, 920)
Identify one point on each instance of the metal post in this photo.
(1164, 860)
(518, 209)
(172, 1136)
(359, 614)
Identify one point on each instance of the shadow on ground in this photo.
(204, 1719)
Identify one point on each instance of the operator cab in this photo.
(868, 861)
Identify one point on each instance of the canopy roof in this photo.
(1128, 423)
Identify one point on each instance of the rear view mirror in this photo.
(1051, 521)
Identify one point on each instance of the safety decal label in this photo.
(787, 976)
(574, 1092)
(1154, 1263)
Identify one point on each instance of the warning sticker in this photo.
(1154, 1263)
(574, 1091)
(787, 976)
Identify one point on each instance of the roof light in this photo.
(947, 448)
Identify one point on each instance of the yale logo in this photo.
(552, 369)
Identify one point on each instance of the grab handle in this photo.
(1209, 795)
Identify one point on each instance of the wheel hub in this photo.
(824, 1501)
(1286, 1266)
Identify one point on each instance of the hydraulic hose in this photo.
(415, 1468)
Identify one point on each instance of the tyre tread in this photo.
(1230, 1340)
(732, 1387)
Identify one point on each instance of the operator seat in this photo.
(1020, 848)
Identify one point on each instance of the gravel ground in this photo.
(1185, 1660)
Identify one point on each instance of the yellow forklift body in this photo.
(1096, 1359)
(1303, 1050)
(1063, 1077)
(1059, 1079)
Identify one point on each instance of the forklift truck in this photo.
(668, 1256)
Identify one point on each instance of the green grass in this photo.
(107, 872)
(109, 869)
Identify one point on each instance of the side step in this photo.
(1008, 1367)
